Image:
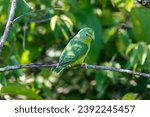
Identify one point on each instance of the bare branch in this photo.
(27, 14)
(32, 65)
(8, 24)
(96, 67)
(116, 70)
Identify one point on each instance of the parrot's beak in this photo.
(93, 37)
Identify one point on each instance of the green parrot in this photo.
(76, 50)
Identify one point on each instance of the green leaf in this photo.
(128, 5)
(141, 28)
(19, 90)
(130, 48)
(68, 22)
(64, 32)
(109, 33)
(25, 57)
(104, 77)
(14, 61)
(64, 23)
(132, 59)
(147, 62)
(142, 52)
(123, 4)
(123, 42)
(138, 56)
(129, 96)
(53, 22)
(101, 78)
(3, 80)
(111, 74)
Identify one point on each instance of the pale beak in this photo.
(93, 36)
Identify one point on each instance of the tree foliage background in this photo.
(122, 31)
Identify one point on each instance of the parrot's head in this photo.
(87, 34)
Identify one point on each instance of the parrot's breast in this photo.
(81, 58)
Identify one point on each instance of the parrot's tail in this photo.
(58, 69)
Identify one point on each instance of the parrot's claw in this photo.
(84, 65)
(57, 65)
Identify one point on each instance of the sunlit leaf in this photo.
(109, 33)
(68, 22)
(132, 59)
(139, 55)
(130, 48)
(19, 90)
(129, 5)
(130, 96)
(66, 19)
(53, 22)
(25, 57)
(123, 4)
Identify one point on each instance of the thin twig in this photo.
(34, 11)
(24, 35)
(32, 65)
(8, 24)
(97, 67)
(42, 20)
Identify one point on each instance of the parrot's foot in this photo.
(84, 65)
(57, 65)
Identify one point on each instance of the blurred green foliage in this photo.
(122, 31)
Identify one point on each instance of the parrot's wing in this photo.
(73, 51)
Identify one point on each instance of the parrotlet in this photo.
(76, 50)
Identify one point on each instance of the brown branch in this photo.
(8, 24)
(117, 70)
(97, 67)
(32, 65)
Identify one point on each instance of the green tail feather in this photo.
(58, 69)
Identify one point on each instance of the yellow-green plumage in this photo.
(76, 50)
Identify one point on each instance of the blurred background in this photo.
(122, 31)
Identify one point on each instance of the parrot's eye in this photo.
(87, 34)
